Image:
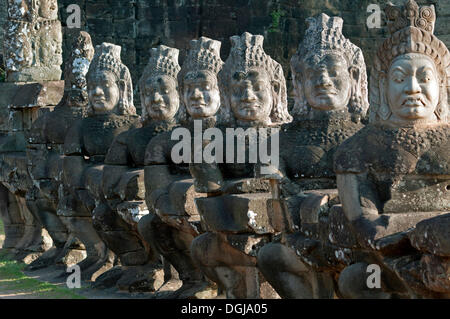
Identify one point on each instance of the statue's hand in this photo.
(369, 229)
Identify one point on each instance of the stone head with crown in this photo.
(199, 88)
(109, 82)
(328, 70)
(411, 72)
(159, 85)
(253, 84)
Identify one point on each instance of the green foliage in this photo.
(2, 230)
(276, 17)
(14, 282)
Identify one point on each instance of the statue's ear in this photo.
(122, 85)
(354, 73)
(276, 89)
(384, 110)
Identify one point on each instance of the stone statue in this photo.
(33, 41)
(234, 212)
(33, 88)
(45, 151)
(123, 180)
(110, 112)
(174, 222)
(393, 175)
(330, 81)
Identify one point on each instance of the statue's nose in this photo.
(157, 97)
(412, 86)
(248, 95)
(196, 95)
(323, 80)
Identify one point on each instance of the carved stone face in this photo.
(103, 92)
(51, 46)
(326, 82)
(48, 9)
(161, 98)
(201, 94)
(251, 95)
(412, 88)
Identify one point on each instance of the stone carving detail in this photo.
(110, 112)
(21, 103)
(45, 152)
(329, 76)
(174, 221)
(123, 181)
(247, 55)
(325, 48)
(394, 188)
(235, 216)
(33, 41)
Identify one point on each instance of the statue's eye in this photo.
(426, 77)
(398, 79)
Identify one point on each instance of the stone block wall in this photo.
(138, 25)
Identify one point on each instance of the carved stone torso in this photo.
(413, 172)
(129, 148)
(93, 135)
(307, 150)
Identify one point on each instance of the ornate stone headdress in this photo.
(107, 58)
(324, 36)
(163, 61)
(412, 32)
(247, 52)
(204, 54)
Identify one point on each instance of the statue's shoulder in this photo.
(436, 157)
(158, 149)
(355, 153)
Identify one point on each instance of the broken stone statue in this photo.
(393, 175)
(110, 112)
(173, 221)
(33, 41)
(330, 81)
(234, 211)
(45, 151)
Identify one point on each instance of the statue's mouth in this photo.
(249, 106)
(99, 101)
(198, 105)
(413, 102)
(325, 92)
(158, 107)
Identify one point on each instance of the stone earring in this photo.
(384, 111)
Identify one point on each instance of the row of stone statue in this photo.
(357, 187)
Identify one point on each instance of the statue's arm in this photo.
(74, 162)
(360, 204)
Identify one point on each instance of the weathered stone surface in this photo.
(237, 213)
(330, 105)
(431, 236)
(110, 112)
(393, 185)
(33, 41)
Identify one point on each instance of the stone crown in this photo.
(163, 61)
(204, 54)
(107, 57)
(399, 17)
